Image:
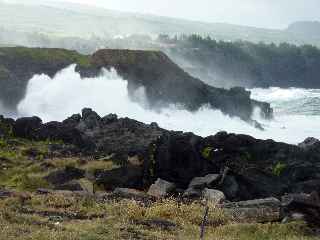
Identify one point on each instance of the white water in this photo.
(67, 93)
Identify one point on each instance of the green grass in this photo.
(46, 55)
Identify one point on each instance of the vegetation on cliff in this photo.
(19, 64)
(246, 64)
(45, 55)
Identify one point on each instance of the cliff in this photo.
(164, 81)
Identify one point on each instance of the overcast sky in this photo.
(260, 13)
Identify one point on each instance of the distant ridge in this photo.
(311, 28)
(65, 19)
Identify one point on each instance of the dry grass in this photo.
(67, 217)
(87, 219)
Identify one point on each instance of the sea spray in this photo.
(67, 93)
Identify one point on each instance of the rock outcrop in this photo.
(161, 188)
(165, 82)
(258, 210)
(240, 166)
(19, 64)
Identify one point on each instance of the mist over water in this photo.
(65, 94)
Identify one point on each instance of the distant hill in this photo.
(306, 28)
(75, 20)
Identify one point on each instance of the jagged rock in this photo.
(125, 177)
(262, 168)
(110, 118)
(161, 188)
(73, 120)
(26, 127)
(90, 119)
(259, 210)
(257, 168)
(213, 196)
(130, 193)
(310, 143)
(203, 182)
(60, 177)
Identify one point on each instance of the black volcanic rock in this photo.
(27, 127)
(250, 168)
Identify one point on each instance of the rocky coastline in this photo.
(254, 180)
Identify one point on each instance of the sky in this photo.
(259, 13)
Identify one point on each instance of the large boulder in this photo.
(178, 159)
(262, 168)
(90, 120)
(26, 127)
(124, 177)
(197, 184)
(214, 196)
(161, 188)
(230, 187)
(259, 210)
(65, 132)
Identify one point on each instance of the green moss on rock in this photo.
(206, 152)
(278, 169)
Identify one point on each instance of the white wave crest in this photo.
(59, 97)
